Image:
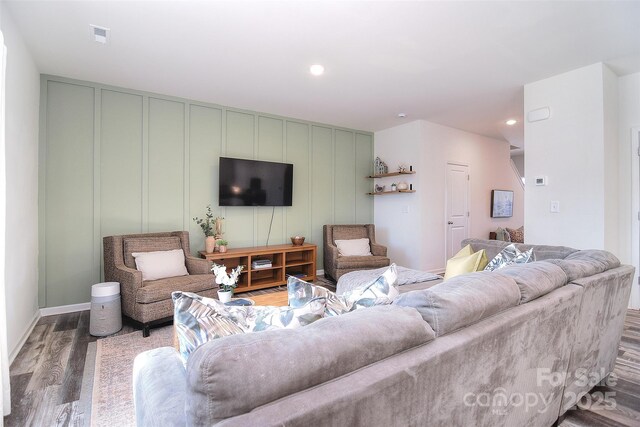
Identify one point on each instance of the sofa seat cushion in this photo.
(160, 290)
(362, 261)
(147, 244)
(535, 279)
(462, 300)
(235, 374)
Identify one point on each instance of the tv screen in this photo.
(255, 183)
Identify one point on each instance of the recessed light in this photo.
(511, 122)
(402, 115)
(317, 70)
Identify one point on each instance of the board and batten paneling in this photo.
(120, 161)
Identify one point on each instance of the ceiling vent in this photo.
(99, 34)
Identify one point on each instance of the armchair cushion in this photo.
(160, 290)
(353, 247)
(147, 244)
(362, 262)
(160, 264)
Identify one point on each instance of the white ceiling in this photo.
(460, 64)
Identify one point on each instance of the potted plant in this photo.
(227, 282)
(208, 224)
(222, 245)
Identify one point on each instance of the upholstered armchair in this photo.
(148, 302)
(335, 265)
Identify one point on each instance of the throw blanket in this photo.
(406, 276)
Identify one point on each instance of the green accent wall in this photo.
(119, 161)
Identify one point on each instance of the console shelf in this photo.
(286, 259)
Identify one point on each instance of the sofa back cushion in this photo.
(540, 252)
(233, 375)
(147, 244)
(586, 263)
(462, 300)
(535, 279)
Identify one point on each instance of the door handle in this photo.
(450, 222)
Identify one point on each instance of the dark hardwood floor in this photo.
(47, 375)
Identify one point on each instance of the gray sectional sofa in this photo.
(517, 346)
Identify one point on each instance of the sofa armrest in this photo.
(378, 250)
(159, 388)
(197, 265)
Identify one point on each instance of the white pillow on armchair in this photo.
(353, 247)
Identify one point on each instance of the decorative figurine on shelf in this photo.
(402, 186)
(394, 187)
(402, 168)
(379, 188)
(380, 167)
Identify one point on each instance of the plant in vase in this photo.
(222, 245)
(227, 282)
(208, 225)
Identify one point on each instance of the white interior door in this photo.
(457, 204)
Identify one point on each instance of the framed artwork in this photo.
(501, 204)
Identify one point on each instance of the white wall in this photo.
(628, 119)
(417, 239)
(22, 104)
(574, 150)
(518, 160)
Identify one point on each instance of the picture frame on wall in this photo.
(501, 204)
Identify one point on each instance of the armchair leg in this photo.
(145, 330)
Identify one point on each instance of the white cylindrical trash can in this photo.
(106, 315)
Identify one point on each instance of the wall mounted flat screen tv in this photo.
(255, 183)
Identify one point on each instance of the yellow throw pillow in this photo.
(466, 251)
(462, 263)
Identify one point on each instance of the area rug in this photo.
(112, 401)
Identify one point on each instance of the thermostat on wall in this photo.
(541, 180)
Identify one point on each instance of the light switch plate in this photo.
(555, 206)
(405, 209)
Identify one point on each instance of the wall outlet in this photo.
(555, 206)
(404, 209)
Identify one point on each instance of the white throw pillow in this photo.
(353, 247)
(160, 264)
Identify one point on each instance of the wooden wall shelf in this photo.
(286, 259)
(382, 193)
(384, 175)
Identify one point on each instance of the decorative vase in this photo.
(222, 248)
(209, 244)
(225, 296)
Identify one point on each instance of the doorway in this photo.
(457, 207)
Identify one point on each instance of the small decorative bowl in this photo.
(297, 240)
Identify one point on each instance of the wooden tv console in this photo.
(285, 259)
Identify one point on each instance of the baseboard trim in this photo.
(63, 309)
(24, 337)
